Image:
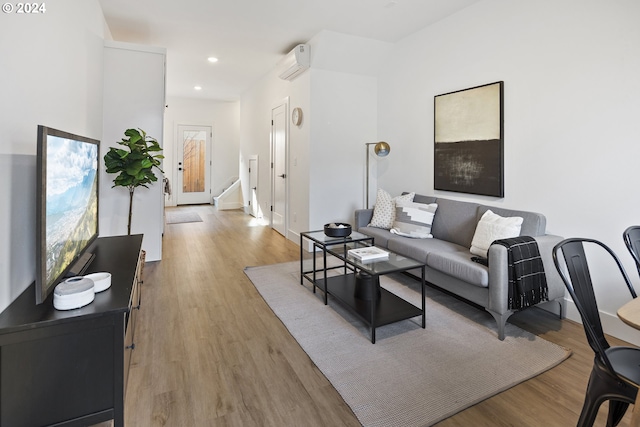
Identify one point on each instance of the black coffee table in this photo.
(374, 312)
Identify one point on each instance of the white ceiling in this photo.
(250, 36)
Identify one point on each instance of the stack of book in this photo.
(369, 253)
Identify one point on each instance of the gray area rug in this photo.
(411, 376)
(178, 217)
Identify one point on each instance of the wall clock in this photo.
(296, 116)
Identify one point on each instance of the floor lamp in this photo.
(381, 149)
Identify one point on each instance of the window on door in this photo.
(194, 143)
(194, 164)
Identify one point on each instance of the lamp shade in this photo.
(382, 149)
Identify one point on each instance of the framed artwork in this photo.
(469, 140)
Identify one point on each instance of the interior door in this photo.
(279, 168)
(253, 187)
(194, 165)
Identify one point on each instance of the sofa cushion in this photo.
(418, 249)
(459, 265)
(419, 198)
(533, 224)
(384, 211)
(493, 227)
(381, 236)
(455, 221)
(362, 218)
(414, 219)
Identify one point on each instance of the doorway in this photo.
(253, 187)
(194, 165)
(279, 179)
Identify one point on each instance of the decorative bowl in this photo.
(337, 229)
(102, 281)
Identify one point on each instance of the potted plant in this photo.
(134, 163)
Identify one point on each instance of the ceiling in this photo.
(249, 37)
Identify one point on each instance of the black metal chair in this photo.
(631, 238)
(615, 375)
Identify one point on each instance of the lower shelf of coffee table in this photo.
(390, 308)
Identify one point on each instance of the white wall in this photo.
(255, 130)
(571, 113)
(134, 97)
(344, 92)
(338, 96)
(224, 119)
(344, 53)
(345, 112)
(41, 83)
(300, 158)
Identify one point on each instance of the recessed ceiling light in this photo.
(197, 87)
(212, 59)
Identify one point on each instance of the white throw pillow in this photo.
(414, 219)
(493, 227)
(384, 212)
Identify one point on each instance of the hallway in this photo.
(209, 351)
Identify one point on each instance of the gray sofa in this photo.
(448, 259)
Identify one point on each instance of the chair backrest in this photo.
(580, 288)
(631, 238)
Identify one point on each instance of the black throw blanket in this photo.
(527, 281)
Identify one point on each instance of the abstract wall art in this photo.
(469, 140)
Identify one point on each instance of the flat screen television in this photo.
(67, 206)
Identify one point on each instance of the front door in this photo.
(194, 165)
(279, 168)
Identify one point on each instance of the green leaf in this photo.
(133, 163)
(132, 133)
(133, 169)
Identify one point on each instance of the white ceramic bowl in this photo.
(75, 292)
(102, 281)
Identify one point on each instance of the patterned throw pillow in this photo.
(414, 219)
(493, 227)
(384, 212)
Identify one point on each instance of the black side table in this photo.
(323, 242)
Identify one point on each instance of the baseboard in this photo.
(294, 237)
(307, 244)
(611, 324)
(229, 206)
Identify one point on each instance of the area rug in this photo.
(410, 376)
(178, 217)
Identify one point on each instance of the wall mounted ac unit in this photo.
(294, 63)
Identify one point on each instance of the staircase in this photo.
(230, 198)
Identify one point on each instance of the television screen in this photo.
(67, 206)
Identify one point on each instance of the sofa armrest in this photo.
(554, 281)
(498, 275)
(362, 218)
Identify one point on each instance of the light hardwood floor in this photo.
(210, 352)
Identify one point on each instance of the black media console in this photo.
(69, 368)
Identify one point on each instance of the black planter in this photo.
(367, 287)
